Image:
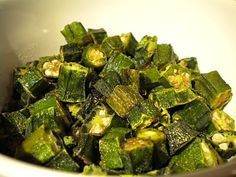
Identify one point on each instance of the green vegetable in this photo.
(71, 52)
(190, 63)
(129, 43)
(111, 45)
(93, 170)
(97, 35)
(131, 77)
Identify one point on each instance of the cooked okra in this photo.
(112, 105)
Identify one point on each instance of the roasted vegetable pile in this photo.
(109, 105)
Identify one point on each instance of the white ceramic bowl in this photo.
(205, 29)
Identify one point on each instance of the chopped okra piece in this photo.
(131, 77)
(197, 114)
(69, 141)
(107, 84)
(143, 115)
(156, 136)
(110, 148)
(63, 161)
(199, 154)
(145, 51)
(190, 63)
(41, 145)
(117, 63)
(101, 120)
(93, 56)
(221, 121)
(164, 55)
(97, 35)
(74, 109)
(75, 33)
(170, 97)
(214, 89)
(111, 45)
(33, 83)
(224, 143)
(141, 153)
(71, 52)
(93, 170)
(71, 82)
(123, 99)
(177, 76)
(49, 66)
(129, 43)
(179, 134)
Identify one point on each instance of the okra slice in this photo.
(75, 33)
(179, 134)
(117, 62)
(197, 114)
(190, 63)
(93, 56)
(49, 66)
(111, 45)
(41, 145)
(141, 153)
(71, 82)
(129, 42)
(156, 136)
(199, 154)
(131, 77)
(177, 76)
(110, 148)
(224, 143)
(33, 83)
(93, 170)
(69, 141)
(71, 52)
(143, 115)
(145, 50)
(63, 161)
(221, 121)
(164, 55)
(98, 35)
(170, 97)
(214, 89)
(123, 99)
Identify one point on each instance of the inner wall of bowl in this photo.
(204, 29)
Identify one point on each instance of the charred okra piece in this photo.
(221, 121)
(143, 115)
(164, 55)
(123, 99)
(41, 145)
(97, 35)
(190, 63)
(197, 114)
(129, 43)
(75, 33)
(93, 56)
(71, 82)
(93, 170)
(145, 51)
(63, 161)
(199, 154)
(110, 148)
(170, 97)
(214, 89)
(179, 134)
(111, 45)
(140, 152)
(106, 85)
(117, 62)
(224, 143)
(71, 52)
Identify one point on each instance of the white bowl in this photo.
(205, 29)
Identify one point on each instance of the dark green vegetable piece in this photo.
(199, 154)
(164, 55)
(41, 145)
(214, 89)
(75, 33)
(190, 63)
(111, 45)
(71, 52)
(93, 56)
(63, 161)
(123, 99)
(98, 35)
(140, 152)
(117, 62)
(197, 114)
(131, 78)
(179, 134)
(129, 43)
(71, 82)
